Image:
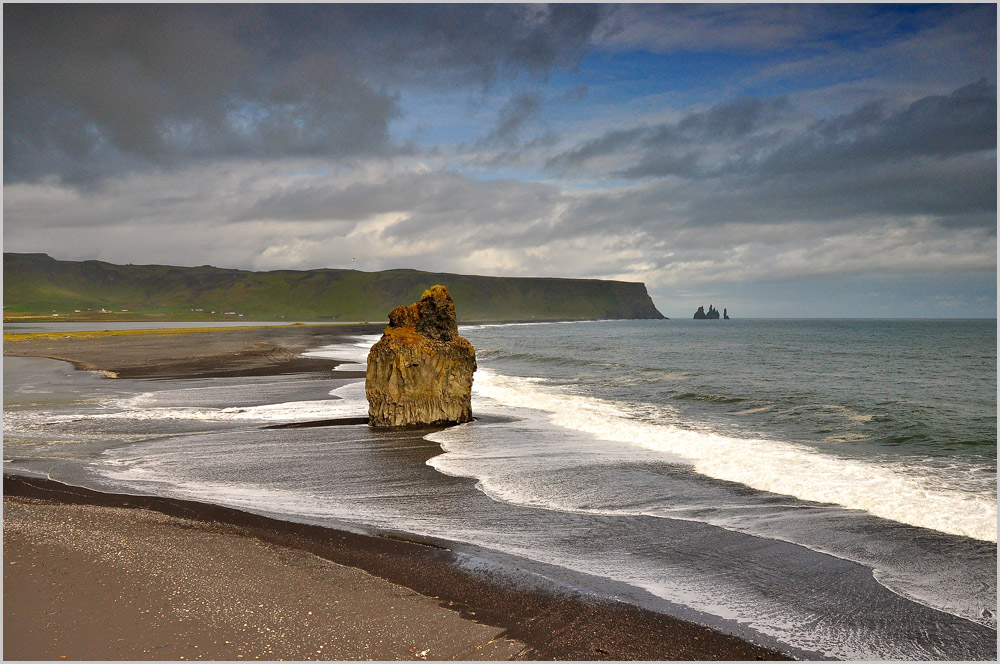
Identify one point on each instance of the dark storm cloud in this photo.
(933, 126)
(936, 126)
(464, 43)
(512, 118)
(91, 90)
(933, 156)
(732, 121)
(694, 27)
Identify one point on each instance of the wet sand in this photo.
(90, 575)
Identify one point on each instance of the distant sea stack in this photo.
(713, 313)
(420, 371)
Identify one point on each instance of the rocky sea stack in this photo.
(420, 371)
(713, 313)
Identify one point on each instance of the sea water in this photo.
(828, 486)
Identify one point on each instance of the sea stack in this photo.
(713, 313)
(420, 371)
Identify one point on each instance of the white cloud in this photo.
(460, 224)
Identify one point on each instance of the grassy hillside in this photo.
(36, 285)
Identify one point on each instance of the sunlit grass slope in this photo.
(36, 285)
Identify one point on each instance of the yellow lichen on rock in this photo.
(420, 371)
(401, 316)
(437, 290)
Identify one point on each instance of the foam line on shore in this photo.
(907, 494)
(352, 351)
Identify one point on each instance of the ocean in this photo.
(825, 486)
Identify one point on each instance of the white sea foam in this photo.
(354, 352)
(754, 411)
(483, 326)
(349, 401)
(278, 412)
(848, 413)
(923, 496)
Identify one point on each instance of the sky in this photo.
(779, 160)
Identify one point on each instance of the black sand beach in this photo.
(102, 576)
(191, 353)
(125, 577)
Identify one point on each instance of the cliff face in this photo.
(35, 284)
(420, 371)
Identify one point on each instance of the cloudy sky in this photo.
(779, 160)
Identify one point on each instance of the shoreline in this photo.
(785, 575)
(546, 625)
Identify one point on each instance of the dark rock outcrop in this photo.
(713, 313)
(420, 371)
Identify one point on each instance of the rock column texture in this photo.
(420, 371)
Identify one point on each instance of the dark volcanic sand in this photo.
(96, 582)
(231, 351)
(91, 575)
